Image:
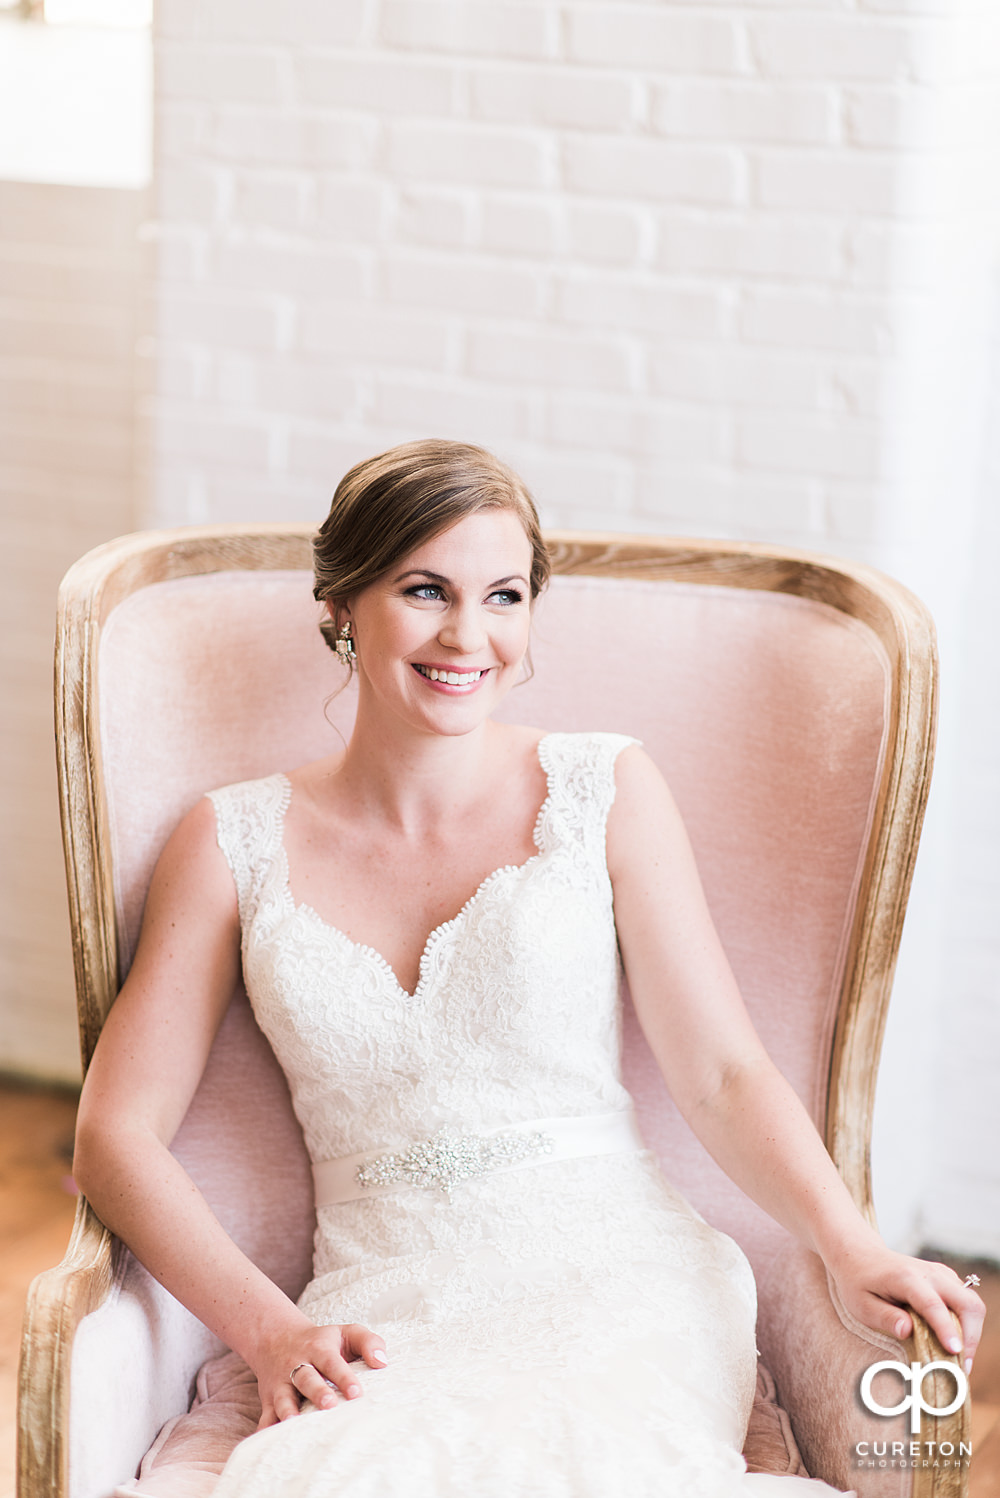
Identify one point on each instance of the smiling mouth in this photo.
(452, 678)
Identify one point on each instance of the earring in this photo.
(344, 645)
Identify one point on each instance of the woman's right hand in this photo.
(317, 1357)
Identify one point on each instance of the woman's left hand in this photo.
(880, 1287)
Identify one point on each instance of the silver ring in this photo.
(291, 1376)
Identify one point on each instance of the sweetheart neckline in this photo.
(444, 927)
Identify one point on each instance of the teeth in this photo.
(453, 678)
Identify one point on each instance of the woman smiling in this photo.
(433, 927)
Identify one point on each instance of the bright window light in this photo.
(76, 100)
(99, 12)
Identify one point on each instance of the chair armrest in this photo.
(817, 1353)
(944, 1430)
(108, 1356)
(58, 1300)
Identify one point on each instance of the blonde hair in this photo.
(387, 506)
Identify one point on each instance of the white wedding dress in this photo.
(569, 1328)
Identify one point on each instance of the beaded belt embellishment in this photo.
(448, 1156)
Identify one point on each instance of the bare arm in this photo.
(726, 1086)
(144, 1073)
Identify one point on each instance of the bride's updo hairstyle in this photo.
(387, 506)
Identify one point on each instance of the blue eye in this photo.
(507, 596)
(429, 591)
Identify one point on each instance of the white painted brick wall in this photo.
(653, 39)
(517, 30)
(707, 268)
(69, 265)
(513, 199)
(730, 111)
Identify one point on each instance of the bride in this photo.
(508, 1296)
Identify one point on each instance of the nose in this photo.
(462, 628)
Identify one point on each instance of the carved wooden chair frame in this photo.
(61, 1297)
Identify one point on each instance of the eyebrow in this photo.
(438, 577)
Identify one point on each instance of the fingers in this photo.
(313, 1380)
(323, 1371)
(882, 1295)
(359, 1342)
(971, 1315)
(937, 1294)
(316, 1386)
(283, 1407)
(940, 1297)
(884, 1316)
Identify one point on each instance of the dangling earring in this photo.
(344, 645)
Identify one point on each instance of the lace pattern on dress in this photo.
(514, 1279)
(248, 819)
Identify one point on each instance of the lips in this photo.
(451, 678)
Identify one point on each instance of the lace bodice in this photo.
(498, 1302)
(515, 1015)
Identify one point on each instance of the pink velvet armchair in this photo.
(788, 698)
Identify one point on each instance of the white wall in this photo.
(936, 1166)
(961, 1205)
(646, 250)
(69, 271)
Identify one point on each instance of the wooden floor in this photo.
(36, 1214)
(986, 1389)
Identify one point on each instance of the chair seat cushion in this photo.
(770, 1445)
(189, 1453)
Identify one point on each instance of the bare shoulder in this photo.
(639, 785)
(192, 876)
(644, 821)
(310, 777)
(515, 755)
(196, 831)
(195, 838)
(518, 738)
(318, 800)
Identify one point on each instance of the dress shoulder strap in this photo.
(248, 821)
(581, 773)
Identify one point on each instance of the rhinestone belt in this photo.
(448, 1157)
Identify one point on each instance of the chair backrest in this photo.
(788, 698)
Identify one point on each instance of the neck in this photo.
(411, 779)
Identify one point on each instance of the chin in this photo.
(456, 724)
(455, 718)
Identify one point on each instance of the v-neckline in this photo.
(439, 932)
